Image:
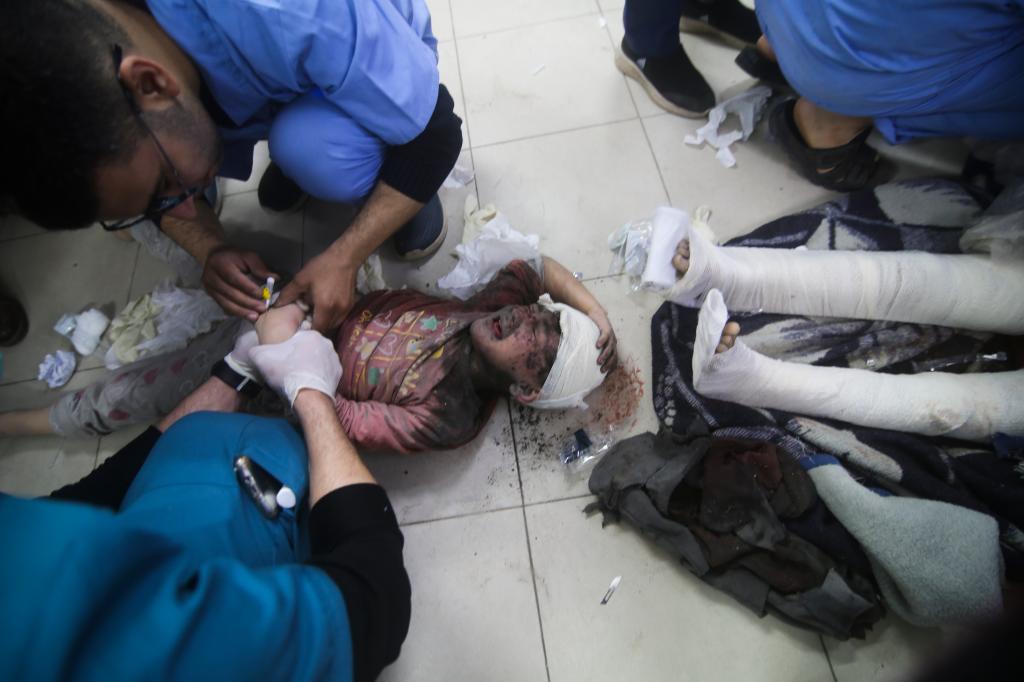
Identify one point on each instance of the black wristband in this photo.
(239, 382)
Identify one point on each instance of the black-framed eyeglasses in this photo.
(159, 205)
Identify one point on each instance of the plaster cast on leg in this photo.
(968, 406)
(965, 291)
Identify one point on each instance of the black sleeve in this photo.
(354, 538)
(108, 483)
(418, 168)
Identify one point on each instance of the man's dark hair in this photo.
(62, 111)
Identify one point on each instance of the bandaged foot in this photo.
(967, 406)
(965, 291)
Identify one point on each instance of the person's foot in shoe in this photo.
(672, 82)
(13, 322)
(424, 234)
(279, 193)
(728, 21)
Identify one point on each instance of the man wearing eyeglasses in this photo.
(123, 111)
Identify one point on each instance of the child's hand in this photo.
(279, 324)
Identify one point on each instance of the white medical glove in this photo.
(238, 359)
(307, 360)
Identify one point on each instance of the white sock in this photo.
(966, 291)
(967, 406)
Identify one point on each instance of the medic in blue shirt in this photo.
(127, 110)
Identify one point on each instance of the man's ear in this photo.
(523, 393)
(152, 85)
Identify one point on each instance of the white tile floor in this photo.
(507, 570)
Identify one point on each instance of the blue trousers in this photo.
(919, 68)
(652, 26)
(326, 152)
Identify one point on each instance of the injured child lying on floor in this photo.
(420, 372)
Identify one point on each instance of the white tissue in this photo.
(460, 176)
(748, 105)
(495, 247)
(669, 226)
(89, 327)
(56, 368)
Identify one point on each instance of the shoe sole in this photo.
(631, 70)
(702, 28)
(431, 249)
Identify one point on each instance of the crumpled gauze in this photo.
(135, 323)
(575, 372)
(748, 106)
(496, 245)
(56, 368)
(460, 176)
(89, 328)
(370, 275)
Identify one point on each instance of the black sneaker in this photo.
(13, 322)
(729, 21)
(673, 82)
(424, 234)
(278, 192)
(760, 67)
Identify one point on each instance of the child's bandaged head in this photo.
(575, 372)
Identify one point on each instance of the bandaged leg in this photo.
(966, 291)
(967, 406)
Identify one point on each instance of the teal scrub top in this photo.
(188, 581)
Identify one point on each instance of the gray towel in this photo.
(935, 563)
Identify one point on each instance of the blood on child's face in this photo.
(520, 341)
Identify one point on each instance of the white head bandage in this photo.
(575, 372)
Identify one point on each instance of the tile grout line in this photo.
(96, 455)
(529, 547)
(482, 512)
(828, 658)
(654, 157)
(131, 280)
(7, 240)
(465, 113)
(615, 47)
(552, 133)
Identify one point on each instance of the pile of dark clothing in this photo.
(735, 512)
(819, 521)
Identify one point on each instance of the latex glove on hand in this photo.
(238, 359)
(305, 361)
